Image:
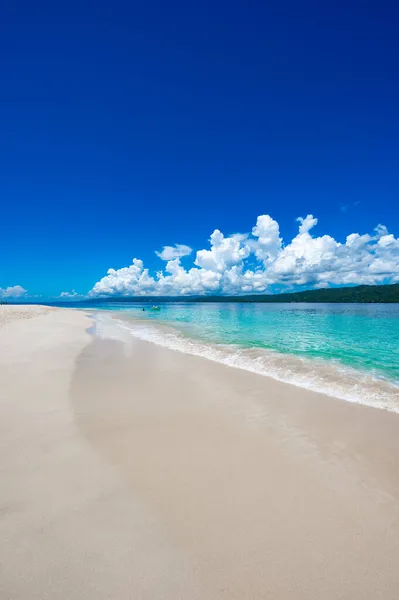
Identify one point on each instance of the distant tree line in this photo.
(362, 293)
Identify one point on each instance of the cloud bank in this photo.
(245, 263)
(15, 291)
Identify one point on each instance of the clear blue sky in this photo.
(127, 126)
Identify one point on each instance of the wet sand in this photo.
(129, 470)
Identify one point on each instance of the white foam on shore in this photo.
(332, 379)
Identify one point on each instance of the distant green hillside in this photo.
(360, 293)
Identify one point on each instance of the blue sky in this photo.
(130, 126)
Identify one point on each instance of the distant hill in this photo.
(360, 293)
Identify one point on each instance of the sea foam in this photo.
(327, 377)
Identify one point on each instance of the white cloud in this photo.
(73, 294)
(268, 243)
(306, 224)
(15, 291)
(176, 251)
(253, 262)
(224, 252)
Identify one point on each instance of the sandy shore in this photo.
(130, 471)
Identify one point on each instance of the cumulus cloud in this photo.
(224, 252)
(267, 242)
(15, 291)
(254, 262)
(306, 224)
(172, 252)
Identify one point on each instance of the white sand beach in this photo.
(131, 471)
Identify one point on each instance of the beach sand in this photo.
(131, 471)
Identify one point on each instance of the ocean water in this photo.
(350, 351)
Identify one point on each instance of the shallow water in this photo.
(346, 350)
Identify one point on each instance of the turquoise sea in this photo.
(350, 351)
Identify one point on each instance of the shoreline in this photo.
(313, 374)
(132, 470)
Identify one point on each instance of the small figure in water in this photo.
(143, 309)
